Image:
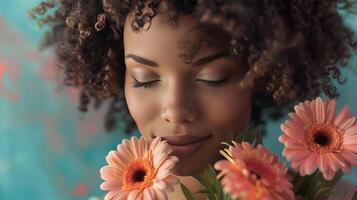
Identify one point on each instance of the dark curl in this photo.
(293, 49)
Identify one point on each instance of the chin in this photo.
(185, 169)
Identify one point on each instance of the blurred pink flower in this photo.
(139, 170)
(345, 190)
(253, 174)
(317, 137)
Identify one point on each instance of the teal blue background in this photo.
(48, 150)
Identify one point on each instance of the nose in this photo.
(179, 105)
(178, 116)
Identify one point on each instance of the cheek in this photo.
(142, 107)
(232, 110)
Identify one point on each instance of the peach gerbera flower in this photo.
(139, 170)
(253, 174)
(316, 137)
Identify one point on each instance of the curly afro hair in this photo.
(293, 49)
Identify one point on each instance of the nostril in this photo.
(152, 136)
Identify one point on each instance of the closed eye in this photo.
(139, 84)
(148, 84)
(215, 83)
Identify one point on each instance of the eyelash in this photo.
(138, 84)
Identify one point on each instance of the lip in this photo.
(183, 146)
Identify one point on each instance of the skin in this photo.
(180, 101)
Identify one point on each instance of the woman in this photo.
(193, 72)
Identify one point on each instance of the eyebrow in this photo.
(210, 58)
(142, 60)
(198, 62)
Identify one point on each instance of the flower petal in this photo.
(331, 161)
(114, 184)
(322, 164)
(350, 140)
(351, 131)
(292, 144)
(347, 123)
(351, 147)
(116, 160)
(161, 185)
(296, 165)
(154, 142)
(172, 180)
(133, 195)
(293, 130)
(295, 154)
(349, 156)
(341, 115)
(169, 163)
(330, 110)
(222, 164)
(346, 168)
(319, 110)
(304, 112)
(159, 159)
(163, 173)
(311, 163)
(147, 195)
(329, 174)
(125, 154)
(116, 194)
(160, 195)
(134, 143)
(296, 119)
(109, 172)
(283, 138)
(152, 193)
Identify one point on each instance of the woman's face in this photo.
(180, 84)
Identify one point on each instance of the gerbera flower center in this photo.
(256, 175)
(138, 175)
(258, 171)
(324, 138)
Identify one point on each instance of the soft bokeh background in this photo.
(49, 150)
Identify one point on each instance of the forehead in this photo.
(186, 37)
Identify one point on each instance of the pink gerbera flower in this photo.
(316, 137)
(253, 174)
(139, 170)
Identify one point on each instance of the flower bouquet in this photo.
(320, 145)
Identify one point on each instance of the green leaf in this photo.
(327, 186)
(314, 186)
(186, 192)
(203, 191)
(323, 191)
(213, 187)
(226, 196)
(318, 186)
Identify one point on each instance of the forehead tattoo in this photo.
(192, 41)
